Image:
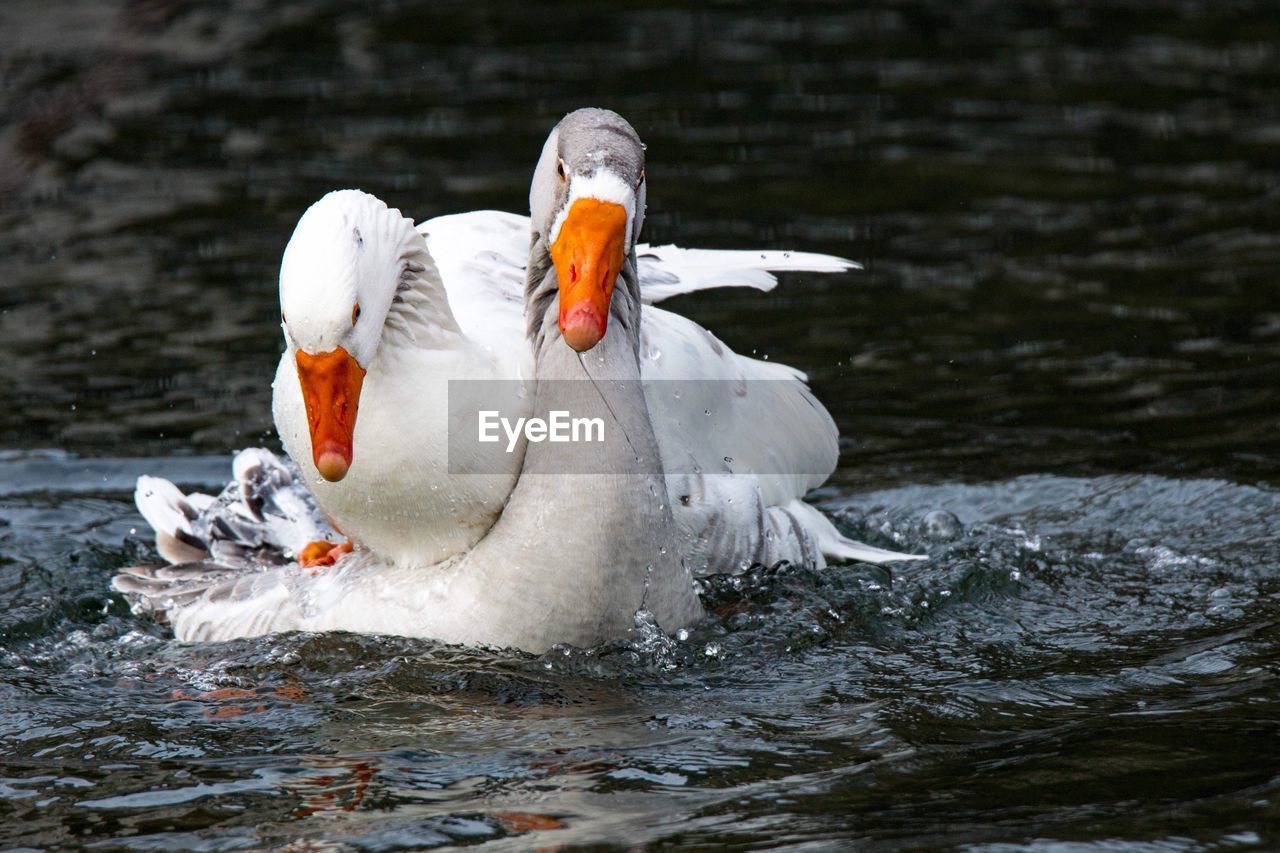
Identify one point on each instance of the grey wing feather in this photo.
(259, 522)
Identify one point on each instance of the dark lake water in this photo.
(1067, 336)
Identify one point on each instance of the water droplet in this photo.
(941, 526)
(707, 412)
(729, 459)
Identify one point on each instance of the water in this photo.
(1057, 375)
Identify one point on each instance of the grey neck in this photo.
(603, 382)
(587, 537)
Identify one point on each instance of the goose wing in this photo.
(230, 555)
(722, 413)
(482, 256)
(742, 442)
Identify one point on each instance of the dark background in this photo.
(1068, 215)
(1057, 376)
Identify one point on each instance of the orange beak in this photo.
(331, 389)
(588, 254)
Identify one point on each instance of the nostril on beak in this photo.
(573, 273)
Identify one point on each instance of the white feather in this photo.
(742, 443)
(667, 271)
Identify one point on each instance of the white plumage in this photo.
(741, 440)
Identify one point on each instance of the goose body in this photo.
(401, 497)
(523, 552)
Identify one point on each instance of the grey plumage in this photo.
(259, 521)
(585, 142)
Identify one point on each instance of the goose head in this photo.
(339, 280)
(587, 205)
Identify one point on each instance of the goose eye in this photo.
(282, 319)
(640, 182)
(355, 313)
(560, 169)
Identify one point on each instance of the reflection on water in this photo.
(1083, 658)
(1057, 374)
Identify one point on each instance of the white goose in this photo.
(560, 564)
(451, 293)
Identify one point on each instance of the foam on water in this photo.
(1055, 611)
(1056, 374)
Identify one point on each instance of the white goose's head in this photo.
(587, 204)
(347, 261)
